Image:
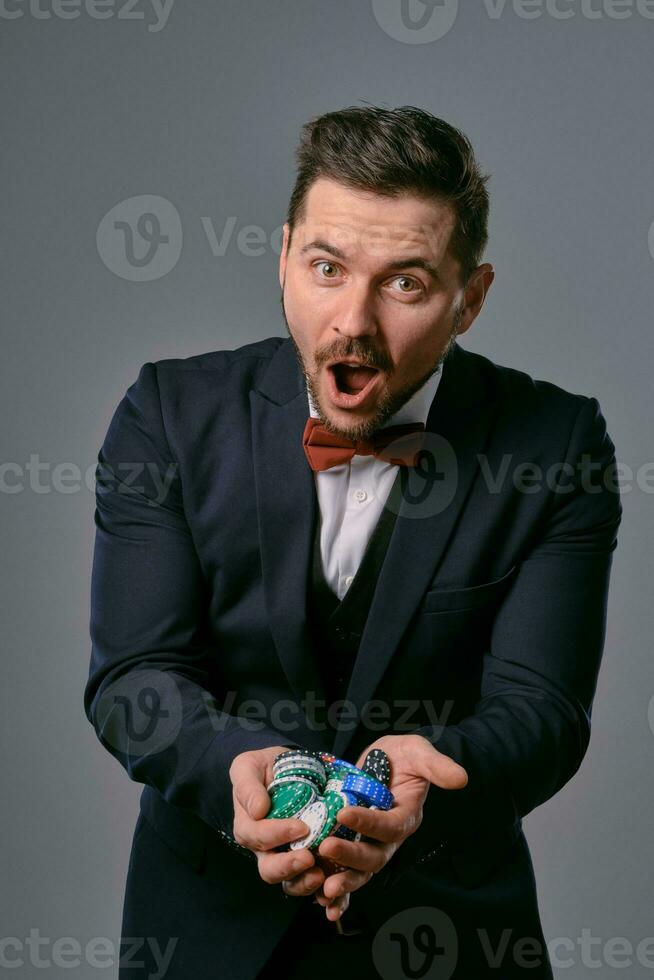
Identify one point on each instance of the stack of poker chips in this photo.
(314, 786)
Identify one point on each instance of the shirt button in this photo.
(360, 495)
(349, 580)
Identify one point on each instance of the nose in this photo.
(355, 314)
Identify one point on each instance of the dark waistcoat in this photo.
(336, 625)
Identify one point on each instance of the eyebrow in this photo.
(413, 262)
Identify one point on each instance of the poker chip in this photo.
(314, 786)
(333, 803)
(345, 833)
(288, 800)
(369, 790)
(302, 765)
(336, 763)
(317, 774)
(334, 784)
(296, 768)
(342, 830)
(290, 781)
(295, 758)
(376, 764)
(315, 816)
(339, 768)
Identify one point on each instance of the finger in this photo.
(274, 868)
(437, 767)
(387, 826)
(305, 883)
(263, 835)
(360, 856)
(336, 909)
(346, 881)
(249, 789)
(328, 868)
(321, 899)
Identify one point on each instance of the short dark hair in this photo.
(393, 151)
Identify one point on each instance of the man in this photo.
(358, 536)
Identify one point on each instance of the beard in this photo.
(388, 402)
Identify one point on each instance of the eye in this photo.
(412, 284)
(328, 265)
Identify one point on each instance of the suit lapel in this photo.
(428, 504)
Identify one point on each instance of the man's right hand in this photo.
(250, 773)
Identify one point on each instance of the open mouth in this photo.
(352, 378)
(353, 386)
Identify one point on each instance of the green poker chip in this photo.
(334, 802)
(288, 800)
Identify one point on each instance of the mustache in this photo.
(367, 358)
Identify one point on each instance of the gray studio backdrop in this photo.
(191, 111)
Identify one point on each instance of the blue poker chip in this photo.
(369, 791)
(339, 765)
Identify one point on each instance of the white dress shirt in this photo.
(351, 496)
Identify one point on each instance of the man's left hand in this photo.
(415, 765)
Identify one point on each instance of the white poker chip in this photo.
(314, 815)
(334, 785)
(284, 780)
(298, 759)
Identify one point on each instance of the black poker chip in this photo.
(377, 764)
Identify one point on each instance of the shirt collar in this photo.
(416, 409)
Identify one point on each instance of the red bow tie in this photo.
(324, 449)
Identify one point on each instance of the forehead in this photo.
(364, 222)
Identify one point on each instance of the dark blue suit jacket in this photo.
(485, 633)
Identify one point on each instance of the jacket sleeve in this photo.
(147, 693)
(530, 728)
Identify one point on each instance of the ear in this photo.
(474, 295)
(284, 254)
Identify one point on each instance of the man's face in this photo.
(369, 278)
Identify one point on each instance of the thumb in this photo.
(439, 768)
(252, 794)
